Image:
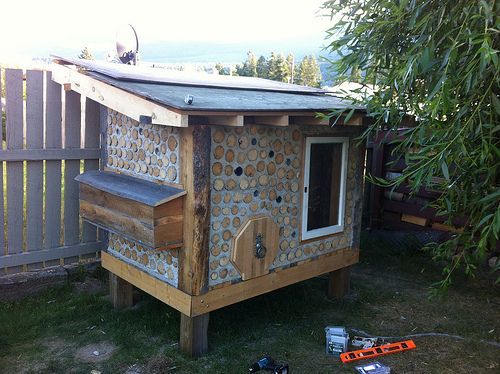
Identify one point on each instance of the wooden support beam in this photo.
(376, 192)
(226, 120)
(192, 306)
(355, 120)
(195, 177)
(121, 292)
(310, 121)
(272, 120)
(420, 221)
(444, 227)
(339, 283)
(149, 284)
(194, 335)
(224, 296)
(122, 101)
(193, 258)
(50, 154)
(39, 255)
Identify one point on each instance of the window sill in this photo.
(321, 237)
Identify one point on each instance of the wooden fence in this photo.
(396, 208)
(51, 135)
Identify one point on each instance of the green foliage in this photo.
(86, 54)
(309, 73)
(221, 69)
(279, 70)
(2, 78)
(262, 68)
(436, 60)
(249, 67)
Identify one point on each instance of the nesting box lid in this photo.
(140, 190)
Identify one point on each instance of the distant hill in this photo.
(232, 53)
(228, 53)
(197, 52)
(203, 53)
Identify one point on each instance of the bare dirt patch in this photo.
(56, 346)
(89, 285)
(95, 352)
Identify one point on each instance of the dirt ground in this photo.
(74, 329)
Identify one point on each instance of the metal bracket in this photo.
(260, 249)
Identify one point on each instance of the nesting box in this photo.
(141, 211)
(239, 191)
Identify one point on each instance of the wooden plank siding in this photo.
(36, 166)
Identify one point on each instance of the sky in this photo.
(37, 28)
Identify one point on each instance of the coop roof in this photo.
(160, 95)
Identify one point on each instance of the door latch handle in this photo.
(260, 249)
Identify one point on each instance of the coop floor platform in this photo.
(214, 299)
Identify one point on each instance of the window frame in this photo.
(328, 230)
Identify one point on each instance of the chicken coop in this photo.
(216, 189)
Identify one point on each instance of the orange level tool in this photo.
(377, 351)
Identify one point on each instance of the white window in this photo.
(324, 186)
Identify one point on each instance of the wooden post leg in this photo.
(193, 334)
(338, 283)
(121, 292)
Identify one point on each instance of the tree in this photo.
(290, 61)
(249, 67)
(262, 67)
(221, 69)
(278, 68)
(436, 61)
(86, 54)
(309, 73)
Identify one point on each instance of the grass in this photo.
(389, 298)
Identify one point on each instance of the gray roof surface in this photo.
(148, 74)
(226, 100)
(140, 190)
(211, 93)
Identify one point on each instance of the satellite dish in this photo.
(127, 45)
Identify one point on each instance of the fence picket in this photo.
(92, 129)
(53, 136)
(34, 178)
(14, 135)
(72, 128)
(3, 249)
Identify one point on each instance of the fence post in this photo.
(376, 192)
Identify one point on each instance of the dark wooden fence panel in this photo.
(396, 207)
(48, 142)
